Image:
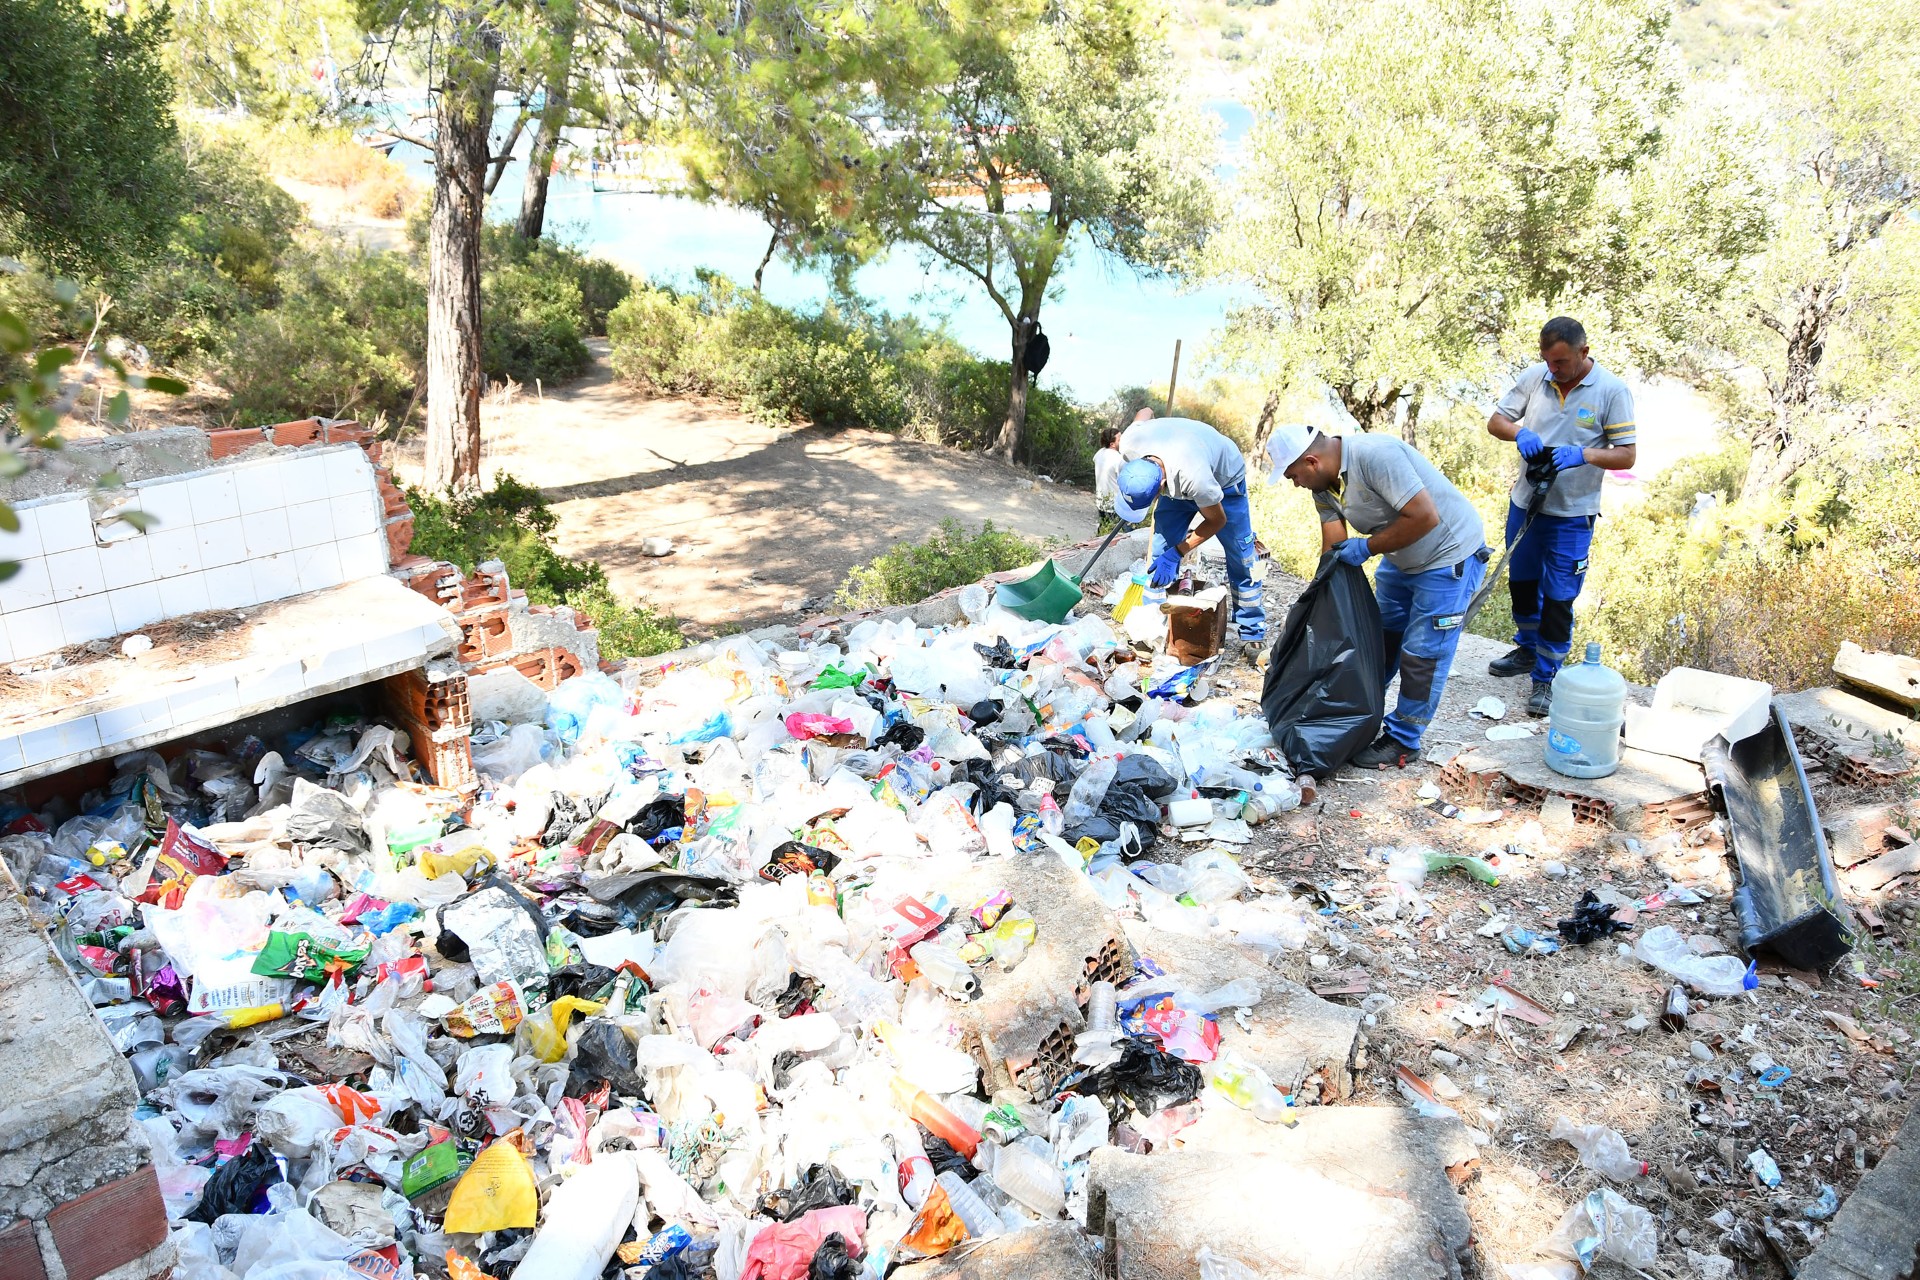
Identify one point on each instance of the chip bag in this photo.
(185, 855)
(303, 956)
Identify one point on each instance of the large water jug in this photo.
(1583, 728)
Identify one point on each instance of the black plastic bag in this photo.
(998, 654)
(801, 990)
(657, 816)
(1592, 920)
(942, 1156)
(679, 1267)
(818, 1188)
(903, 735)
(1144, 774)
(586, 981)
(1144, 1076)
(236, 1184)
(604, 1053)
(1326, 687)
(831, 1261)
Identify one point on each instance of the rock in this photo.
(134, 646)
(1699, 1050)
(1557, 870)
(1636, 1024)
(506, 695)
(1443, 1087)
(1556, 813)
(654, 548)
(1448, 1061)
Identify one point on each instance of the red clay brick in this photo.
(224, 444)
(296, 434)
(374, 449)
(348, 433)
(110, 1226)
(484, 634)
(399, 536)
(20, 1253)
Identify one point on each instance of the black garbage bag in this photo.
(324, 817)
(604, 1053)
(236, 1184)
(657, 816)
(679, 1267)
(903, 735)
(1144, 1076)
(1325, 692)
(942, 1156)
(792, 858)
(818, 1188)
(586, 981)
(831, 1261)
(985, 711)
(1592, 920)
(998, 654)
(1144, 774)
(645, 892)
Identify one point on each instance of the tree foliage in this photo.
(89, 157)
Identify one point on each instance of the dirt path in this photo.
(763, 519)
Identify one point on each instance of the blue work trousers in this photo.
(1548, 568)
(1420, 616)
(1173, 520)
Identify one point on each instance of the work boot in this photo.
(1387, 752)
(1540, 701)
(1516, 662)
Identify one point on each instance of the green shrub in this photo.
(951, 557)
(601, 285)
(648, 335)
(530, 326)
(182, 308)
(307, 358)
(512, 523)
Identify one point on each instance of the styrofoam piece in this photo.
(1692, 707)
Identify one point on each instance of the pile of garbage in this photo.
(678, 990)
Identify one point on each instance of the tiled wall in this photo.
(229, 537)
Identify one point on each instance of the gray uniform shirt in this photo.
(1201, 464)
(1379, 476)
(1596, 414)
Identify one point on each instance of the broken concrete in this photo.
(1876, 1234)
(1049, 1251)
(1380, 1173)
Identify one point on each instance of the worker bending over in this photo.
(1433, 553)
(1572, 408)
(1194, 471)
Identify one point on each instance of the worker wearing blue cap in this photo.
(1181, 469)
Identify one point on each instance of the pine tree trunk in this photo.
(1778, 450)
(1013, 431)
(464, 110)
(532, 221)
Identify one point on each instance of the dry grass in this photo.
(371, 183)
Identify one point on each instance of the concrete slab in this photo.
(1048, 1251)
(1862, 743)
(1351, 1193)
(1294, 1035)
(1876, 1234)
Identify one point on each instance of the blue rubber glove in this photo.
(1569, 456)
(1530, 445)
(1166, 567)
(1353, 551)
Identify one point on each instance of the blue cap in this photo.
(1139, 483)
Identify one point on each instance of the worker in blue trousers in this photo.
(1185, 471)
(1568, 406)
(1433, 552)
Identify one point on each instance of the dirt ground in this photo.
(1694, 1121)
(764, 519)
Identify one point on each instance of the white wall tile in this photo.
(230, 587)
(268, 684)
(33, 632)
(274, 577)
(262, 487)
(61, 738)
(174, 551)
(118, 724)
(167, 502)
(88, 618)
(64, 525)
(76, 573)
(6, 645)
(222, 542)
(29, 588)
(305, 479)
(355, 513)
(266, 533)
(25, 544)
(125, 563)
(203, 698)
(335, 664)
(318, 567)
(364, 556)
(213, 497)
(10, 755)
(311, 523)
(186, 594)
(135, 607)
(348, 471)
(108, 526)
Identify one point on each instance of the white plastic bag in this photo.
(296, 1122)
(1664, 949)
(584, 1220)
(1601, 1149)
(1606, 1225)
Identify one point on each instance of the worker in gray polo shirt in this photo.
(1572, 408)
(1433, 553)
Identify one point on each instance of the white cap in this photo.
(1285, 446)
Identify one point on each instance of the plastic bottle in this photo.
(1271, 795)
(1089, 790)
(1051, 820)
(936, 1119)
(1094, 1047)
(1583, 725)
(980, 1221)
(1247, 1087)
(1025, 1177)
(945, 970)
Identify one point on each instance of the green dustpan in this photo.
(1048, 595)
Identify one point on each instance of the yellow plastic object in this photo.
(545, 1033)
(496, 1192)
(1136, 589)
(465, 861)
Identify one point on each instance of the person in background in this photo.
(1568, 406)
(1433, 552)
(1184, 470)
(1106, 478)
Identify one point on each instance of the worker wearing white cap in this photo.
(1182, 470)
(1433, 552)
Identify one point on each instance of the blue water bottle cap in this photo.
(1593, 652)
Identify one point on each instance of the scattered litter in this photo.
(1489, 708)
(1509, 732)
(1824, 1206)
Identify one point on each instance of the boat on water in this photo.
(631, 168)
